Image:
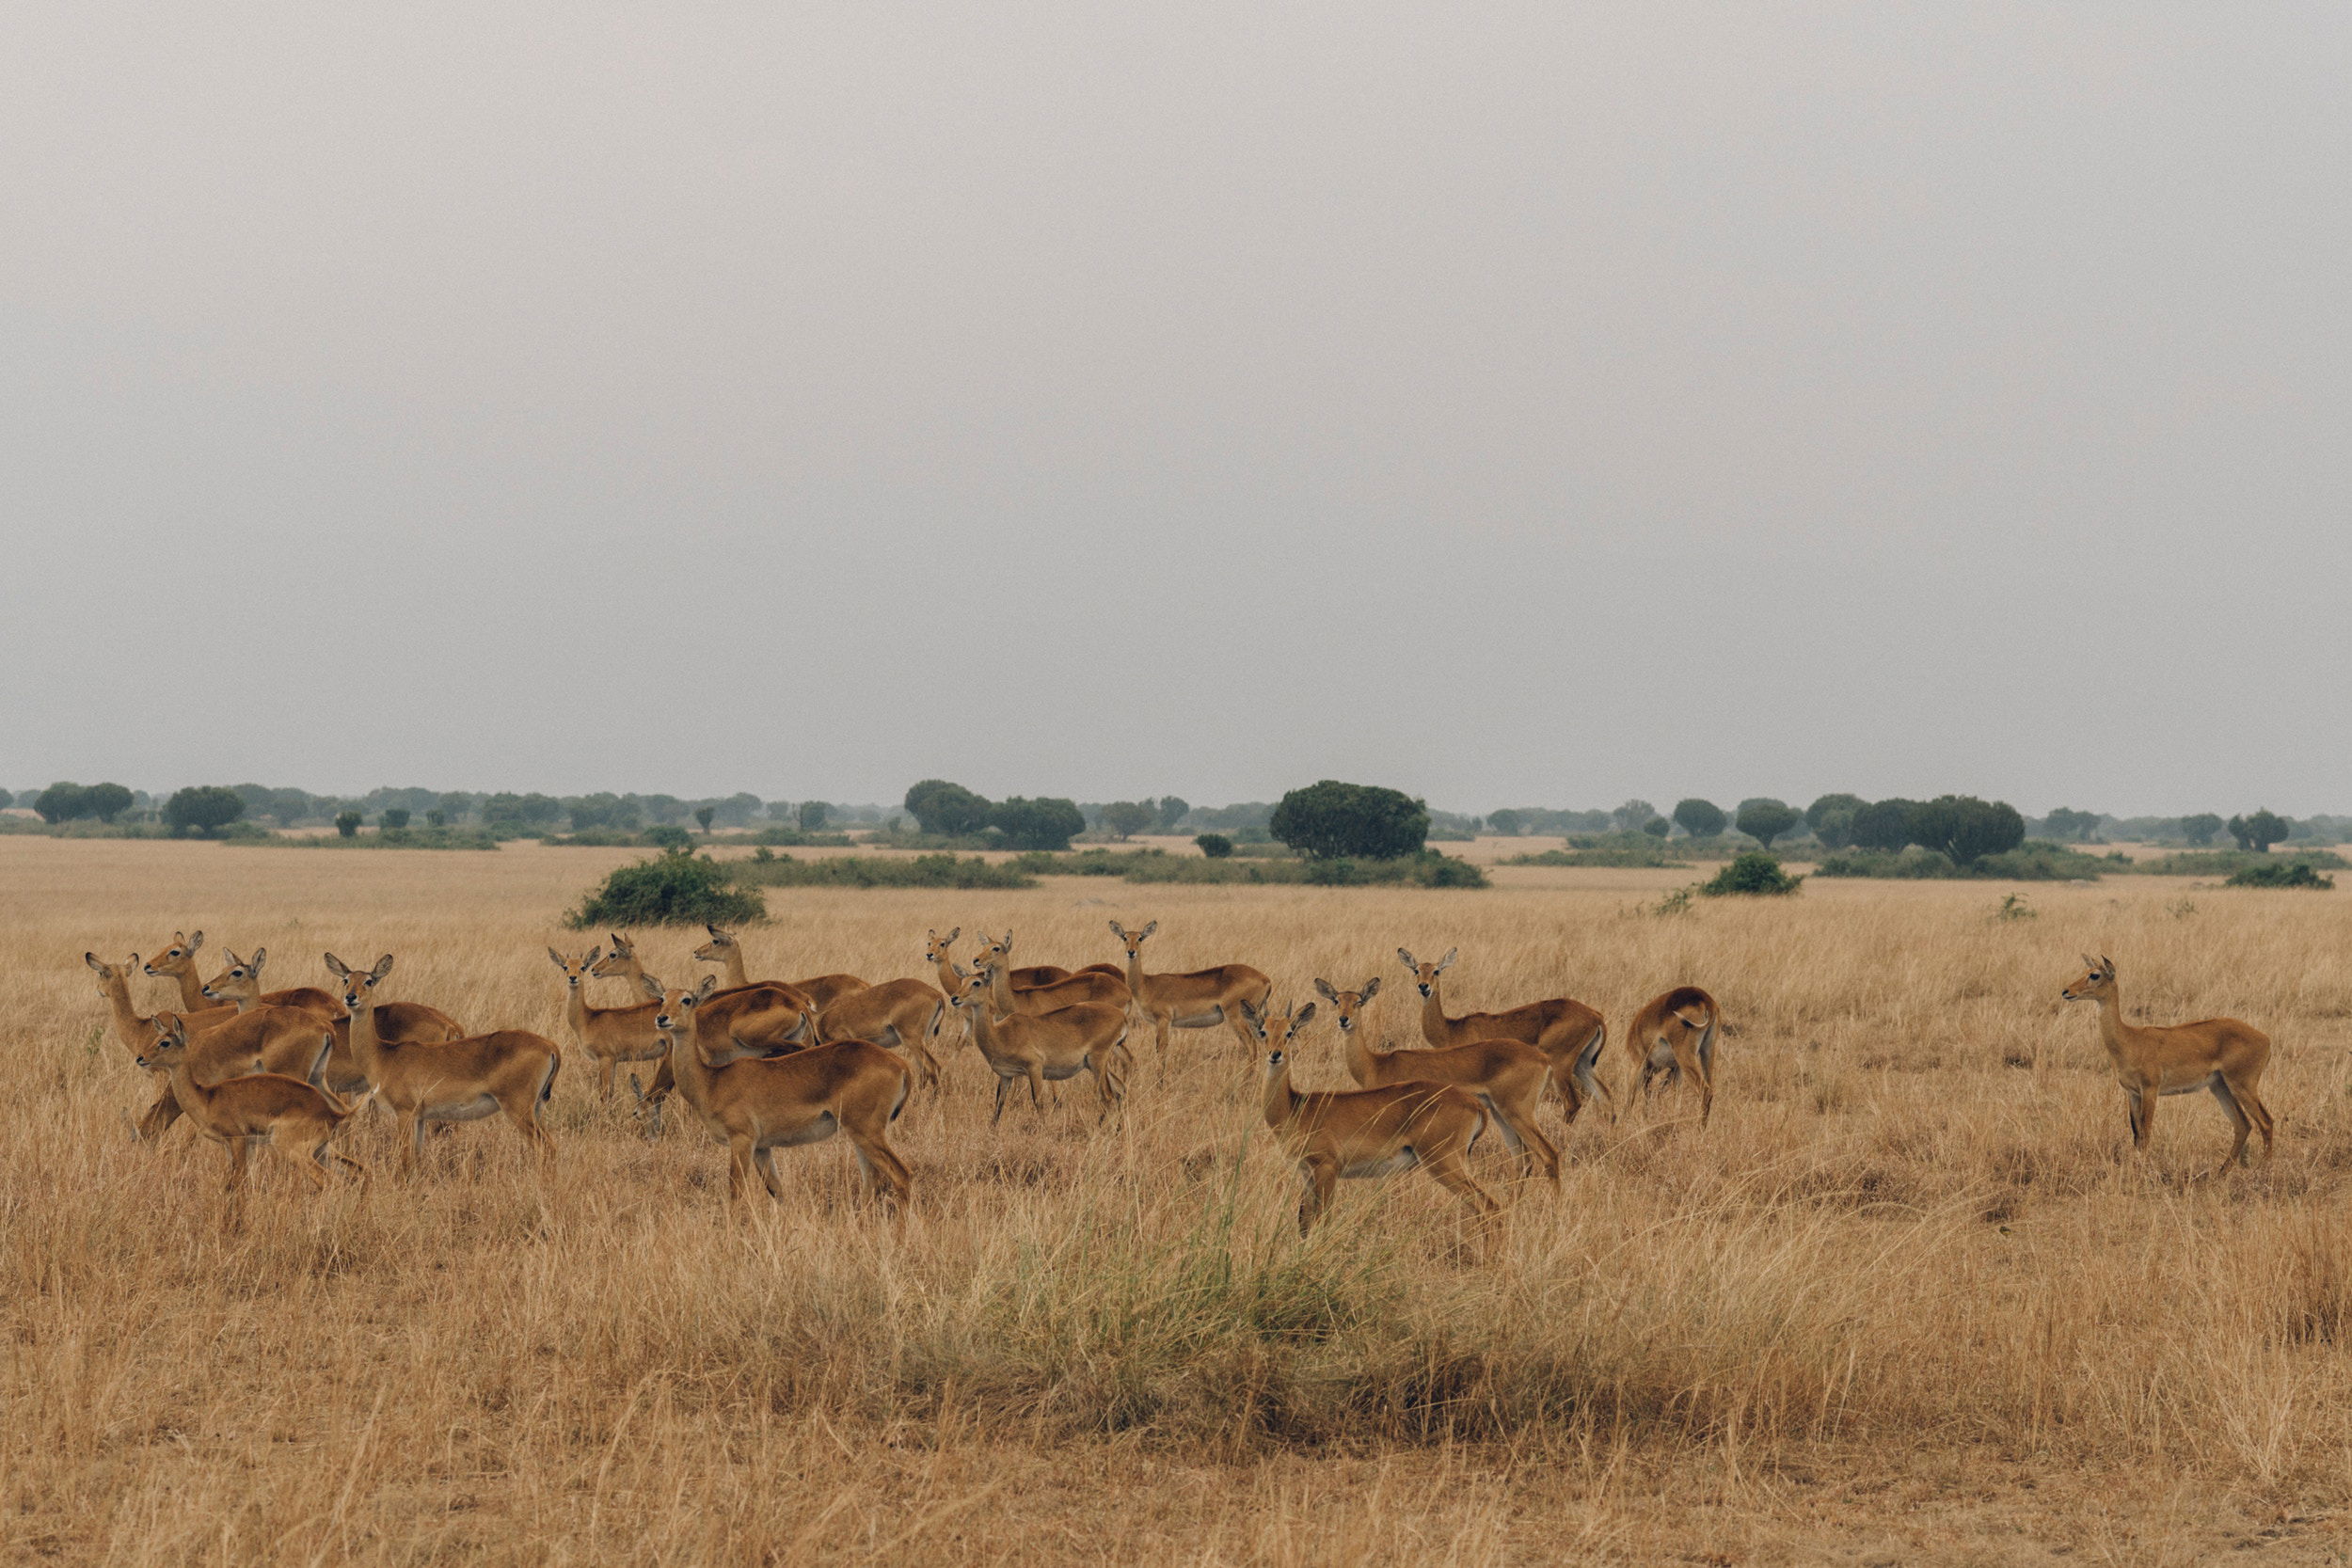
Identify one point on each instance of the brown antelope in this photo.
(610, 1036)
(1674, 1034)
(1199, 1000)
(991, 961)
(1568, 1032)
(226, 1044)
(296, 1117)
(2226, 1055)
(1507, 1076)
(1367, 1132)
(1041, 1047)
(402, 1022)
(901, 1014)
(431, 1081)
(822, 990)
(759, 1104)
(768, 1017)
(935, 952)
(177, 963)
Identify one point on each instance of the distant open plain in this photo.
(1901, 1302)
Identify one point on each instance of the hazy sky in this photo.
(1512, 403)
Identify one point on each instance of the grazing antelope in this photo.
(402, 1022)
(822, 990)
(1567, 1031)
(296, 1117)
(1367, 1132)
(901, 1014)
(1507, 1076)
(1674, 1034)
(1198, 1000)
(759, 1104)
(1089, 986)
(2226, 1055)
(611, 1036)
(1042, 1047)
(464, 1080)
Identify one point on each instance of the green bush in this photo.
(941, 871)
(1329, 820)
(2037, 862)
(1044, 823)
(2225, 863)
(2282, 874)
(946, 809)
(388, 838)
(675, 888)
(1216, 846)
(799, 838)
(1650, 853)
(1429, 869)
(205, 808)
(1752, 872)
(347, 823)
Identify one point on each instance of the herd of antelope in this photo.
(772, 1064)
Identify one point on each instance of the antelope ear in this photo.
(1153, 926)
(711, 982)
(955, 933)
(593, 954)
(650, 986)
(1407, 960)
(1300, 1019)
(1371, 988)
(551, 953)
(1252, 1011)
(1447, 962)
(334, 965)
(382, 967)
(196, 942)
(1118, 930)
(1323, 989)
(95, 963)
(2107, 964)
(620, 942)
(716, 934)
(260, 957)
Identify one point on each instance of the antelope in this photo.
(1084, 1037)
(900, 1014)
(935, 952)
(1367, 1132)
(177, 963)
(1507, 1077)
(1089, 986)
(768, 1017)
(296, 1117)
(611, 1036)
(761, 1104)
(1568, 1032)
(287, 1042)
(2226, 1055)
(1198, 1000)
(1674, 1034)
(402, 1022)
(429, 1081)
(822, 990)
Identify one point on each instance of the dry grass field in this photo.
(1901, 1303)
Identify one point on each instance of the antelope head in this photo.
(1275, 1031)
(575, 970)
(175, 960)
(675, 1018)
(2097, 983)
(170, 1046)
(1134, 939)
(1347, 1005)
(359, 985)
(991, 954)
(241, 981)
(935, 946)
(970, 990)
(715, 951)
(614, 965)
(1425, 975)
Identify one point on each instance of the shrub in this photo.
(393, 819)
(1700, 818)
(946, 809)
(1648, 853)
(2224, 862)
(2201, 828)
(1657, 827)
(1506, 823)
(675, 888)
(347, 823)
(2037, 862)
(1044, 823)
(1764, 819)
(1752, 872)
(812, 815)
(205, 808)
(1216, 846)
(941, 871)
(2280, 874)
(1329, 820)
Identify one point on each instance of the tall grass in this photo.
(1905, 1248)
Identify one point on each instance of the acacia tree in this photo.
(946, 809)
(1627, 819)
(1046, 822)
(2068, 826)
(812, 815)
(1831, 818)
(1329, 820)
(1173, 809)
(1126, 818)
(1504, 823)
(704, 817)
(1700, 818)
(2201, 828)
(1967, 828)
(1764, 819)
(205, 808)
(60, 803)
(1884, 824)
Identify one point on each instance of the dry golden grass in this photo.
(1901, 1303)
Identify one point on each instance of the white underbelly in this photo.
(1661, 1055)
(1197, 1020)
(2192, 1087)
(814, 1132)
(470, 1109)
(1404, 1159)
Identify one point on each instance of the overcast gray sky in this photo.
(1512, 403)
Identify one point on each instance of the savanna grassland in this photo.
(1901, 1302)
